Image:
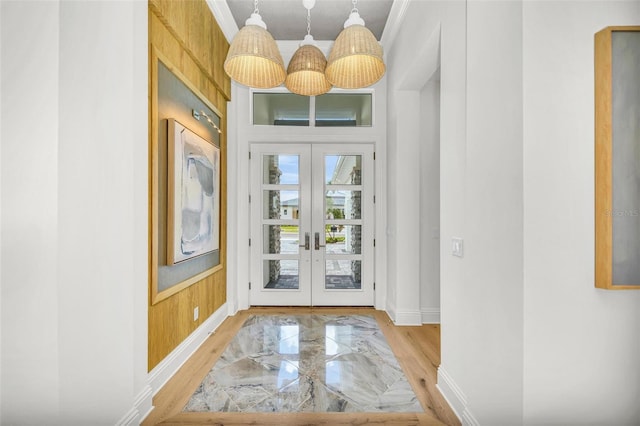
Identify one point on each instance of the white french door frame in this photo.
(312, 255)
(257, 293)
(321, 295)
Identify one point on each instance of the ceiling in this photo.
(287, 19)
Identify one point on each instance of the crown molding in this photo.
(394, 23)
(224, 18)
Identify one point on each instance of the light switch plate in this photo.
(457, 246)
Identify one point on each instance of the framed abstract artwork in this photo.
(193, 195)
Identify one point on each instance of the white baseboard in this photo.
(408, 318)
(430, 315)
(455, 397)
(391, 311)
(132, 418)
(159, 376)
(403, 317)
(142, 406)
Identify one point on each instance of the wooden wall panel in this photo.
(186, 34)
(172, 318)
(192, 25)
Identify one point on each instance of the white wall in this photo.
(481, 198)
(525, 336)
(430, 200)
(488, 306)
(582, 345)
(424, 22)
(74, 224)
(410, 66)
(30, 312)
(403, 209)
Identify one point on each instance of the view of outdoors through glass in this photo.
(342, 221)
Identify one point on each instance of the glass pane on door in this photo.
(281, 169)
(343, 274)
(281, 274)
(343, 204)
(343, 169)
(279, 204)
(343, 239)
(280, 239)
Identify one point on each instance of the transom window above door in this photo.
(328, 110)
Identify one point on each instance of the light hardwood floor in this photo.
(417, 350)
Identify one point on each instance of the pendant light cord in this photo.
(308, 21)
(355, 7)
(255, 7)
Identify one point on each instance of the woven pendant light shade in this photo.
(254, 59)
(305, 74)
(355, 60)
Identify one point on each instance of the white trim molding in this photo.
(403, 317)
(394, 23)
(391, 311)
(142, 406)
(455, 397)
(159, 376)
(408, 318)
(430, 315)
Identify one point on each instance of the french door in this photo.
(312, 239)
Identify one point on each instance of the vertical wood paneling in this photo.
(192, 25)
(186, 34)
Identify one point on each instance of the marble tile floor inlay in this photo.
(306, 363)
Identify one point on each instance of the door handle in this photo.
(318, 245)
(306, 241)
